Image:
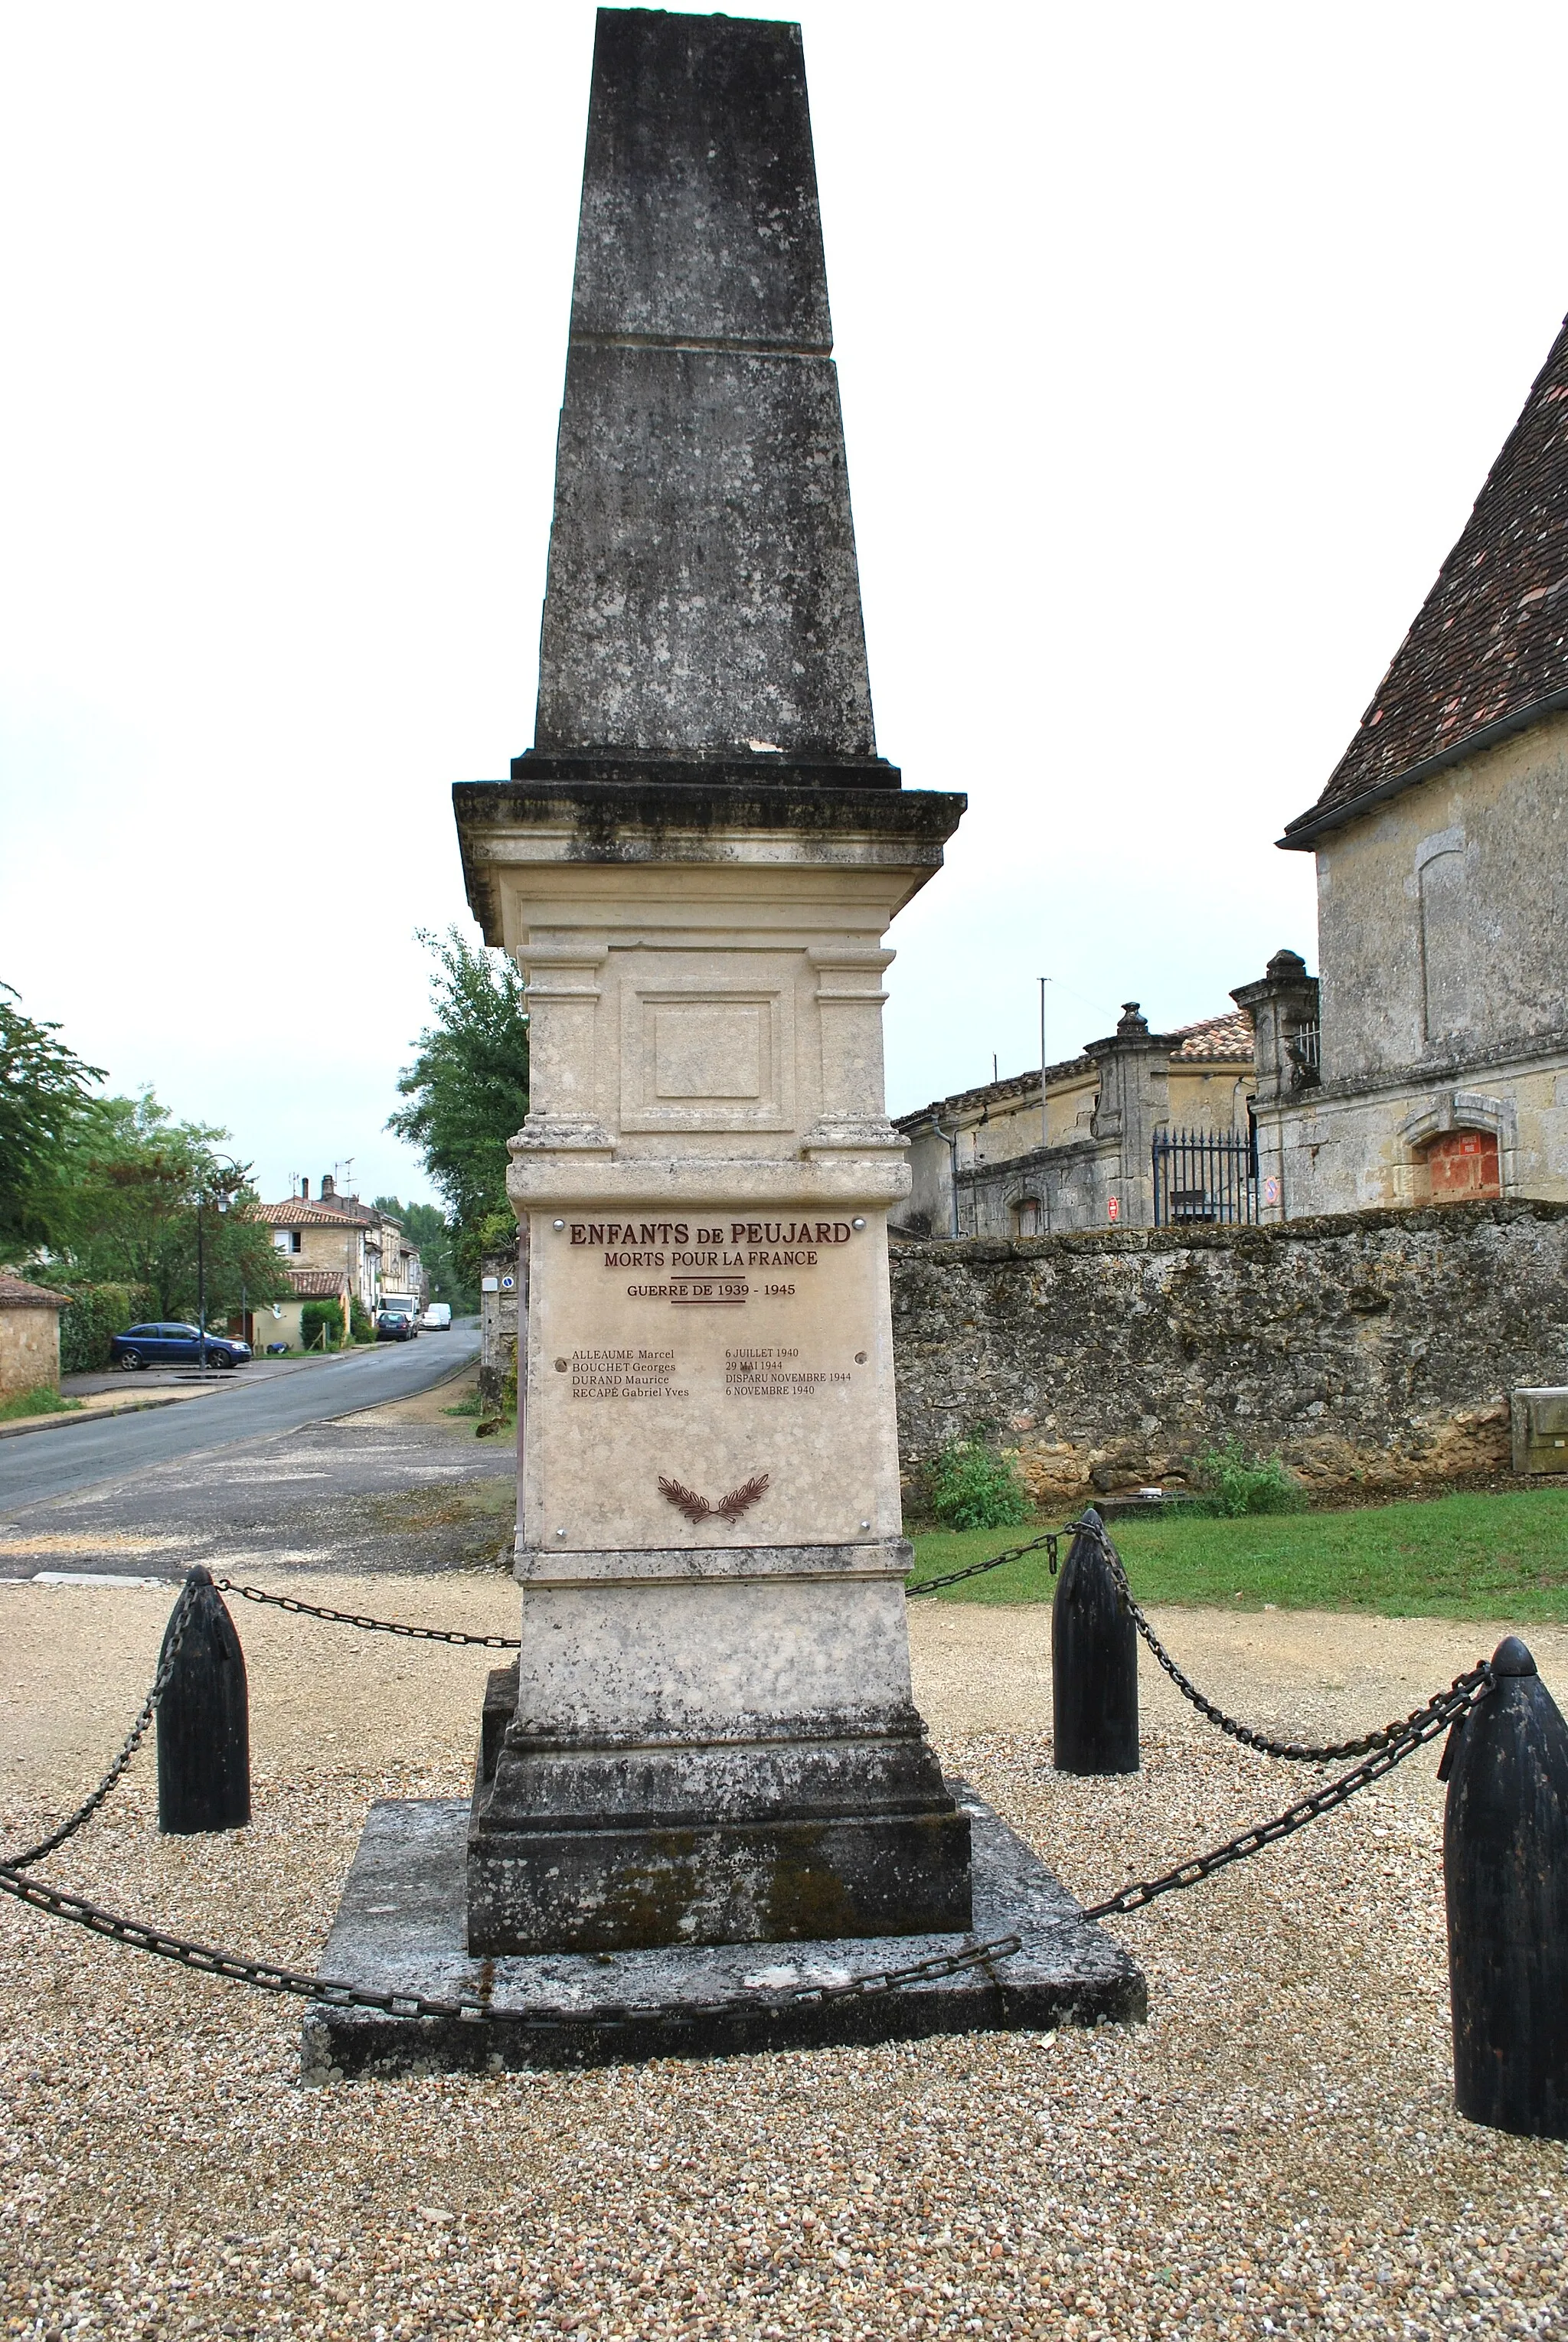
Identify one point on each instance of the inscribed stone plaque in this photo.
(730, 1356)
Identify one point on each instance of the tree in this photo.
(44, 1089)
(429, 1229)
(467, 1089)
(121, 1198)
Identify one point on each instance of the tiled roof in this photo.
(318, 1283)
(15, 1293)
(1006, 1092)
(296, 1214)
(1217, 1040)
(1490, 645)
(349, 1207)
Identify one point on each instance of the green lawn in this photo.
(1463, 1556)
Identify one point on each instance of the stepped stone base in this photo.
(402, 1926)
(581, 1845)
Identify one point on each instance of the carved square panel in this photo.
(705, 1059)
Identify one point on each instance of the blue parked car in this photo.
(172, 1346)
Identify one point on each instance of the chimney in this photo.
(305, 1191)
(328, 1188)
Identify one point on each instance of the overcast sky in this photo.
(1174, 345)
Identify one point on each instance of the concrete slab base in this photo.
(401, 1922)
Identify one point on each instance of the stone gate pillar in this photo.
(1134, 1068)
(710, 1734)
(1283, 1006)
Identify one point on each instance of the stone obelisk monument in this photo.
(710, 1735)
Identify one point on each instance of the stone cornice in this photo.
(588, 1181)
(649, 822)
(1523, 1051)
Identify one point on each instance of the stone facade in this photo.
(29, 1337)
(1442, 1003)
(1374, 1349)
(979, 1153)
(339, 1234)
(1442, 845)
(282, 1323)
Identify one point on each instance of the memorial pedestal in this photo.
(710, 1736)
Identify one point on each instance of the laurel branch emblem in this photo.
(728, 1509)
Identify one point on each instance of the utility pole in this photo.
(1044, 1113)
(201, 1281)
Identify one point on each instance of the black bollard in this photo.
(1505, 1870)
(203, 1721)
(1094, 1664)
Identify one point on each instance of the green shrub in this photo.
(469, 1404)
(44, 1400)
(95, 1314)
(1235, 1481)
(313, 1318)
(971, 1486)
(360, 1328)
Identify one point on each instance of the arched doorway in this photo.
(1461, 1167)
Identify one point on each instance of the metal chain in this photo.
(372, 1626)
(1381, 1751)
(978, 1568)
(268, 1976)
(1298, 1752)
(176, 1634)
(1447, 1707)
(1049, 1542)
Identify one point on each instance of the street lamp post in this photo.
(222, 1189)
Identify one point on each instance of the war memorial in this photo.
(708, 1743)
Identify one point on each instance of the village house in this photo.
(1138, 1130)
(335, 1246)
(1428, 1061)
(280, 1325)
(399, 1267)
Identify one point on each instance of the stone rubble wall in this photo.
(1372, 1348)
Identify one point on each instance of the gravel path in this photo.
(1275, 2152)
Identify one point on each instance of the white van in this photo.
(437, 1318)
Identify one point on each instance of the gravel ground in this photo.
(1274, 2152)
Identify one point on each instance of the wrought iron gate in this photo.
(1205, 1178)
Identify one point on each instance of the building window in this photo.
(1462, 1165)
(287, 1239)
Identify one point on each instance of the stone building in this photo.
(29, 1337)
(1130, 1106)
(1428, 1061)
(340, 1234)
(280, 1325)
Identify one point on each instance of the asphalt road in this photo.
(54, 1463)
